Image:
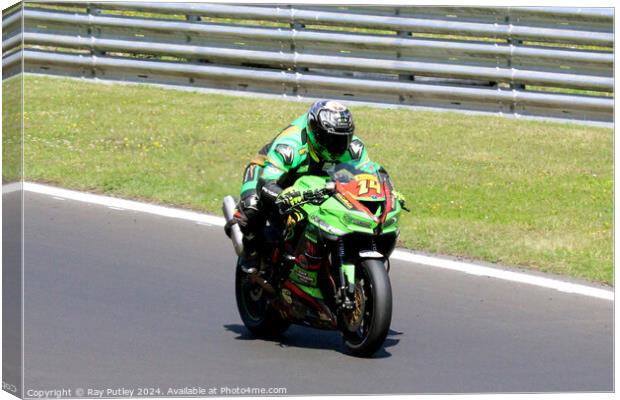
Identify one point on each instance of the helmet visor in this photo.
(336, 144)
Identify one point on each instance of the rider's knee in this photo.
(252, 216)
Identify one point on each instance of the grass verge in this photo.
(11, 129)
(526, 193)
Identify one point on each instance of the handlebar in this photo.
(316, 196)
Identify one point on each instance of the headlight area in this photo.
(390, 221)
(327, 227)
(349, 219)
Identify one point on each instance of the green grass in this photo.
(11, 129)
(527, 193)
(583, 92)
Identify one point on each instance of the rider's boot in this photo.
(250, 263)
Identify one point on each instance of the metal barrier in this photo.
(555, 62)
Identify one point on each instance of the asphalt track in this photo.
(122, 299)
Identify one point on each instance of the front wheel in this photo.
(254, 309)
(366, 326)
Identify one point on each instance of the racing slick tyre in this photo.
(368, 324)
(254, 308)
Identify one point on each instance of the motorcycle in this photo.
(328, 266)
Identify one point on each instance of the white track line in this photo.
(480, 270)
(11, 187)
(468, 268)
(124, 204)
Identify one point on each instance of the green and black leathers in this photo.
(277, 166)
(287, 157)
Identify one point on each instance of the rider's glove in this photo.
(401, 199)
(288, 198)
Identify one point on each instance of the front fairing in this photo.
(341, 219)
(338, 216)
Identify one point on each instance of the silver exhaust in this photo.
(229, 206)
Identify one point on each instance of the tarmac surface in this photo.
(122, 300)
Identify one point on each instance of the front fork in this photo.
(345, 294)
(346, 277)
(346, 291)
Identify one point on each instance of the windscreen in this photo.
(346, 172)
(360, 180)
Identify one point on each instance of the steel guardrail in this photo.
(444, 48)
(473, 58)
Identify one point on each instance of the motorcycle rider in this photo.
(320, 138)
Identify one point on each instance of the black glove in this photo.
(401, 199)
(288, 198)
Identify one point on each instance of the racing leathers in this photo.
(277, 166)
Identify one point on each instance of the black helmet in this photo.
(330, 129)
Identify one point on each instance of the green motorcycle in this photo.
(328, 266)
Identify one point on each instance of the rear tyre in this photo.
(255, 311)
(373, 287)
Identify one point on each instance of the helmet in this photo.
(330, 129)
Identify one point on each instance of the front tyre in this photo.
(254, 309)
(367, 326)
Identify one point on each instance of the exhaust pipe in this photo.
(229, 205)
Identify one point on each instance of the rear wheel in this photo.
(256, 313)
(366, 326)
